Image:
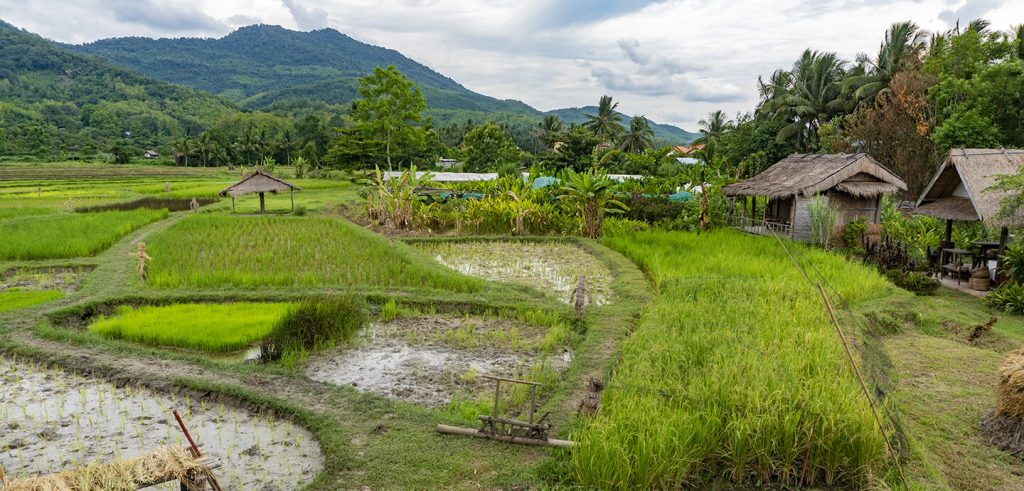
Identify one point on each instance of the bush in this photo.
(652, 209)
(913, 281)
(1008, 298)
(314, 325)
(854, 231)
(1013, 262)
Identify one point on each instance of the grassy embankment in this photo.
(734, 374)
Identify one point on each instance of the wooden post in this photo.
(292, 192)
(262, 209)
(232, 203)
(753, 208)
(949, 230)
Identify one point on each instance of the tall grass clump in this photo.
(824, 218)
(734, 374)
(314, 325)
(215, 328)
(67, 235)
(214, 251)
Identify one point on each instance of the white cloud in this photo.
(306, 19)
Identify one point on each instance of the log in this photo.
(551, 442)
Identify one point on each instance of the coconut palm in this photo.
(607, 124)
(814, 96)
(640, 136)
(902, 49)
(590, 192)
(712, 128)
(183, 147)
(205, 145)
(549, 130)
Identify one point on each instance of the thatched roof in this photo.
(965, 177)
(258, 182)
(810, 174)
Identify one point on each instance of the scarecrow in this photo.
(142, 257)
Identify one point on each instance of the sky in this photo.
(674, 61)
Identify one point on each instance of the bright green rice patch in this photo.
(251, 251)
(733, 374)
(215, 328)
(6, 213)
(68, 235)
(15, 299)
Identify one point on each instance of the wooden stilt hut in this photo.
(853, 183)
(260, 182)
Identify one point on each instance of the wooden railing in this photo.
(762, 226)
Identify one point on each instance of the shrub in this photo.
(854, 231)
(1008, 298)
(652, 209)
(1013, 262)
(313, 325)
(824, 218)
(913, 281)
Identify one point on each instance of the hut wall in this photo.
(802, 218)
(851, 208)
(780, 209)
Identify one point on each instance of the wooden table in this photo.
(956, 261)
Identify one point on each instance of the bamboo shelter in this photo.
(853, 183)
(959, 191)
(260, 182)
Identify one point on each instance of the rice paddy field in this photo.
(734, 374)
(218, 251)
(214, 328)
(718, 365)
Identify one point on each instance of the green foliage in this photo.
(824, 217)
(1012, 262)
(1008, 298)
(966, 129)
(216, 251)
(576, 150)
(14, 299)
(913, 281)
(590, 193)
(606, 125)
(488, 147)
(314, 325)
(734, 374)
(853, 232)
(215, 328)
(394, 202)
(917, 232)
(390, 107)
(68, 235)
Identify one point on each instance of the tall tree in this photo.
(487, 147)
(549, 130)
(640, 136)
(813, 97)
(390, 109)
(607, 123)
(712, 128)
(183, 147)
(902, 49)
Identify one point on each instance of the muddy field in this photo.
(50, 419)
(65, 279)
(551, 267)
(428, 360)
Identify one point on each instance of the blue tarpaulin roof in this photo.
(544, 181)
(680, 196)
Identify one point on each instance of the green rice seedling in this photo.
(67, 235)
(214, 251)
(733, 373)
(15, 299)
(389, 311)
(215, 328)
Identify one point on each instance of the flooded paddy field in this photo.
(51, 419)
(552, 267)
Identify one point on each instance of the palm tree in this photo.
(183, 147)
(813, 97)
(902, 49)
(287, 143)
(549, 130)
(712, 129)
(640, 136)
(246, 144)
(607, 124)
(205, 145)
(590, 192)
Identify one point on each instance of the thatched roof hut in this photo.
(259, 182)
(853, 183)
(960, 188)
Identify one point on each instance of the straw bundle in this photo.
(121, 475)
(1010, 391)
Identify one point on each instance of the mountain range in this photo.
(61, 96)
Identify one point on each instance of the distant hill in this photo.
(272, 68)
(54, 101)
(664, 134)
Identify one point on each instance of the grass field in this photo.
(18, 299)
(214, 328)
(68, 235)
(734, 374)
(214, 251)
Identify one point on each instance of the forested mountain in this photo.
(663, 133)
(272, 68)
(56, 101)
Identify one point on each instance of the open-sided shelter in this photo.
(960, 189)
(853, 183)
(260, 182)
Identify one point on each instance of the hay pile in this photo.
(1010, 391)
(121, 475)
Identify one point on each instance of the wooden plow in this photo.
(496, 427)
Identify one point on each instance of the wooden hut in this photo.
(853, 183)
(260, 182)
(960, 189)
